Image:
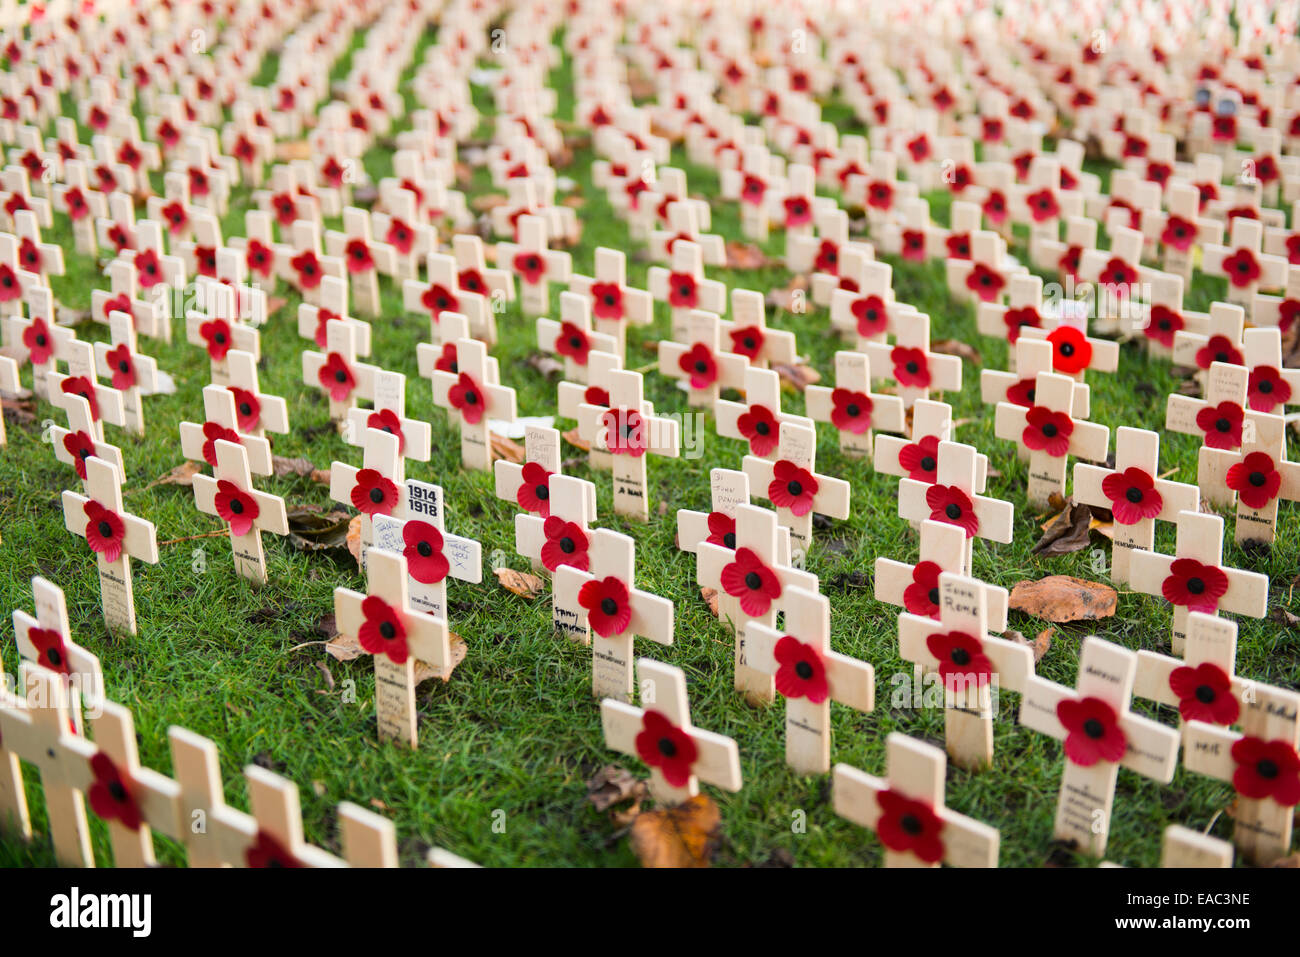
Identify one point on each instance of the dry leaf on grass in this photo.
(344, 647)
(284, 467)
(783, 297)
(1039, 646)
(21, 410)
(710, 596)
(745, 256)
(955, 347)
(1061, 598)
(485, 201)
(312, 530)
(521, 583)
(354, 538)
(183, 474)
(576, 440)
(548, 366)
(1065, 532)
(613, 785)
(682, 836)
(508, 449)
(797, 377)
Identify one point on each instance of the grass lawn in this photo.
(516, 729)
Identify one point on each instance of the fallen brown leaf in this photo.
(521, 583)
(576, 440)
(313, 530)
(548, 366)
(354, 538)
(183, 474)
(798, 377)
(1061, 598)
(21, 410)
(508, 449)
(710, 596)
(344, 647)
(574, 201)
(745, 256)
(683, 836)
(613, 785)
(955, 347)
(284, 467)
(1066, 532)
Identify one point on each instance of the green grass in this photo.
(516, 729)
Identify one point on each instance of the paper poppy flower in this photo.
(286, 210)
(400, 236)
(30, 256)
(913, 245)
(871, 316)
(749, 580)
(1178, 233)
(958, 246)
(759, 426)
(236, 507)
(531, 267)
(1218, 349)
(51, 649)
(748, 341)
(447, 359)
(922, 596)
(1241, 268)
(1042, 205)
(37, 339)
(1195, 586)
(851, 411)
(682, 291)
(909, 826)
(1205, 694)
(595, 395)
(358, 257)
(1047, 431)
(625, 432)
(921, 458)
(336, 377)
(205, 260)
(118, 303)
(386, 420)
(1255, 479)
(566, 544)
(1017, 319)
(383, 630)
(1267, 389)
(995, 207)
(722, 530)
(1069, 261)
(698, 363)
(948, 503)
(259, 258)
(1287, 313)
(1221, 424)
(985, 282)
(1266, 769)
(1117, 273)
(248, 409)
(216, 334)
(608, 606)
(75, 202)
(79, 447)
(1133, 495)
(10, 289)
(911, 367)
(423, 544)
(110, 794)
(307, 265)
(797, 212)
(82, 386)
(961, 659)
(467, 398)
(828, 258)
(667, 748)
(105, 531)
(374, 494)
(1093, 733)
(1071, 350)
(212, 433)
(323, 319)
(573, 343)
(792, 487)
(534, 493)
(880, 195)
(606, 300)
(800, 672)
(1162, 324)
(752, 190)
(177, 219)
(1293, 249)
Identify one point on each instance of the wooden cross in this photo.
(229, 494)
(76, 443)
(221, 420)
(906, 809)
(1271, 387)
(604, 600)
(473, 275)
(217, 329)
(910, 363)
(124, 296)
(536, 265)
(793, 485)
(1218, 419)
(386, 626)
(809, 676)
(38, 257)
(751, 586)
(43, 341)
(399, 225)
(473, 392)
(757, 420)
(1118, 274)
(114, 535)
(442, 296)
(728, 488)
(614, 304)
(1256, 478)
(572, 337)
(414, 437)
(431, 558)
(916, 587)
(528, 485)
(686, 223)
(1050, 433)
(660, 734)
(931, 423)
(699, 363)
(630, 431)
(82, 380)
(337, 372)
(363, 255)
(562, 537)
(1064, 258)
(1180, 228)
(1020, 387)
(1194, 579)
(45, 639)
(982, 277)
(131, 373)
(272, 836)
(1243, 263)
(331, 306)
(1100, 734)
(749, 335)
(1201, 685)
(257, 412)
(852, 408)
(973, 666)
(307, 265)
(378, 487)
(1134, 493)
(952, 498)
(1221, 339)
(1184, 848)
(81, 204)
(684, 287)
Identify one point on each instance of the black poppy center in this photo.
(542, 492)
(1050, 430)
(911, 824)
(567, 545)
(54, 656)
(245, 409)
(1266, 386)
(912, 367)
(425, 549)
(1165, 325)
(1093, 728)
(667, 748)
(853, 410)
(1267, 768)
(1134, 495)
(237, 506)
(41, 341)
(1205, 694)
(795, 488)
(105, 529)
(804, 670)
(1066, 349)
(340, 376)
(953, 511)
(376, 495)
(387, 631)
(701, 366)
(1221, 357)
(1222, 425)
(471, 398)
(124, 366)
(753, 581)
(762, 428)
(683, 290)
(609, 606)
(960, 656)
(1258, 479)
(729, 539)
(575, 342)
(219, 338)
(928, 464)
(118, 792)
(1195, 585)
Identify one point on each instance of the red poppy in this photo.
(1178, 233)
(383, 632)
(286, 209)
(748, 579)
(236, 506)
(374, 494)
(1196, 586)
(37, 339)
(594, 395)
(919, 148)
(438, 299)
(828, 257)
(467, 398)
(358, 257)
(871, 315)
(1017, 319)
(752, 191)
(1218, 348)
(84, 387)
(1071, 350)
(111, 794)
(748, 341)
(573, 343)
(118, 303)
(961, 659)
(922, 596)
(1047, 431)
(792, 487)
(386, 420)
(1093, 732)
(216, 333)
(682, 291)
(336, 377)
(948, 503)
(801, 672)
(1267, 389)
(76, 204)
(307, 265)
(1293, 249)
(177, 219)
(1287, 313)
(759, 426)
(1133, 495)
(880, 195)
(798, 212)
(664, 746)
(625, 432)
(51, 649)
(10, 288)
(1162, 324)
(534, 492)
(851, 411)
(1221, 424)
(531, 267)
(607, 300)
(1266, 769)
(995, 207)
(1205, 694)
(607, 602)
(79, 447)
(566, 544)
(400, 236)
(1242, 268)
(105, 531)
(698, 363)
(722, 530)
(259, 258)
(909, 826)
(921, 459)
(1255, 479)
(1069, 261)
(212, 433)
(248, 409)
(913, 245)
(1117, 273)
(1225, 129)
(985, 282)
(423, 550)
(1159, 172)
(958, 246)
(205, 258)
(911, 367)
